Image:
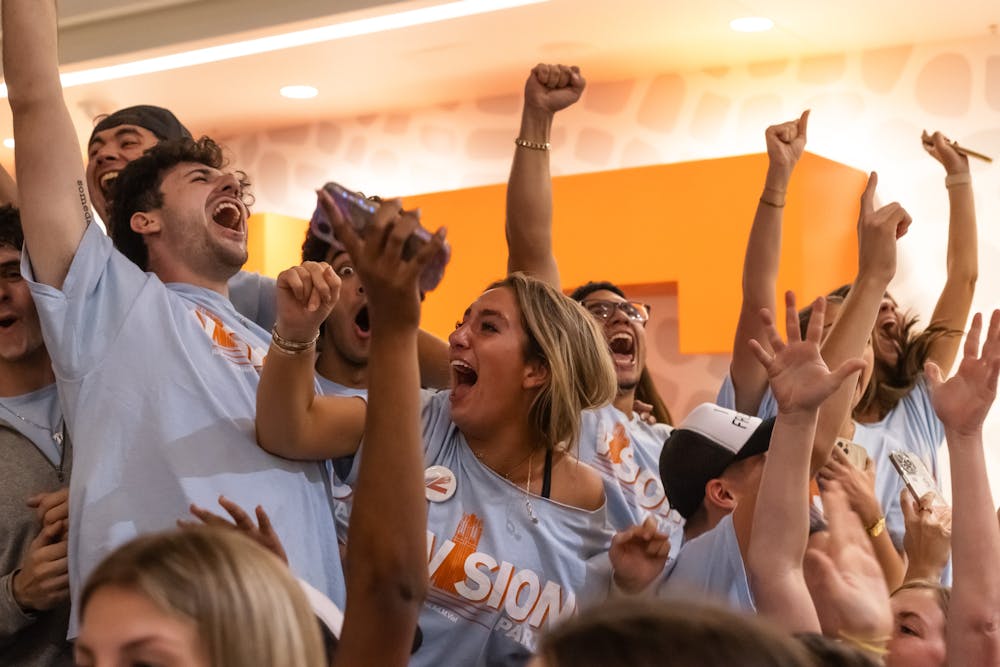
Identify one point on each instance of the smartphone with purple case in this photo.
(360, 212)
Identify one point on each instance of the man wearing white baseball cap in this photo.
(729, 474)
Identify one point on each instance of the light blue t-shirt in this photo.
(911, 426)
(343, 494)
(38, 417)
(498, 579)
(255, 297)
(711, 566)
(159, 388)
(627, 454)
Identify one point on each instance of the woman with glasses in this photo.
(613, 438)
(516, 525)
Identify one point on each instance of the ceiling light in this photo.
(329, 33)
(299, 92)
(9, 142)
(751, 24)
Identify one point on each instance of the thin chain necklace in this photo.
(527, 487)
(56, 435)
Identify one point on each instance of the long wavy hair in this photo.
(565, 337)
(891, 382)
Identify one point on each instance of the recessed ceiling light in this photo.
(327, 33)
(751, 24)
(299, 92)
(9, 142)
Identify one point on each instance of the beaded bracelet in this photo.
(533, 145)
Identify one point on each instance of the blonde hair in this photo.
(248, 608)
(565, 337)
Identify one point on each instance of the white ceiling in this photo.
(457, 59)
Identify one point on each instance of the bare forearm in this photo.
(30, 52)
(781, 516)
(847, 340)
(760, 278)
(952, 309)
(529, 203)
(285, 397)
(889, 559)
(781, 527)
(53, 198)
(974, 613)
(387, 578)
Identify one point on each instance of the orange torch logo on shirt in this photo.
(226, 343)
(458, 569)
(616, 461)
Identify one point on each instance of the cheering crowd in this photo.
(203, 466)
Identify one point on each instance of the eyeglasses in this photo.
(604, 310)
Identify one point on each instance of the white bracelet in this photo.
(965, 178)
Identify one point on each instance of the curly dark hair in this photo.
(137, 188)
(11, 234)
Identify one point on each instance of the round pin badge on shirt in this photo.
(439, 484)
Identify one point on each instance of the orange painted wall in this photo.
(683, 223)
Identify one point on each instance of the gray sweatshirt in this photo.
(27, 640)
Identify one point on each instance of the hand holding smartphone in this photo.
(916, 476)
(359, 211)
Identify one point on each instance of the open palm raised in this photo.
(800, 379)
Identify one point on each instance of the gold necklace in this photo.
(506, 475)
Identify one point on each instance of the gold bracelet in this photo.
(876, 645)
(771, 203)
(291, 346)
(533, 145)
(876, 528)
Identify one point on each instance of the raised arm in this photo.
(55, 209)
(780, 519)
(962, 404)
(549, 88)
(785, 144)
(877, 235)
(292, 421)
(387, 572)
(952, 309)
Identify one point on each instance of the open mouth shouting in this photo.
(229, 214)
(106, 182)
(464, 378)
(6, 322)
(622, 346)
(362, 325)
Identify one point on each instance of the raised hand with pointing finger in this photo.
(878, 231)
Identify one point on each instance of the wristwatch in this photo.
(876, 528)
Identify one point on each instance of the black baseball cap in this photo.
(161, 122)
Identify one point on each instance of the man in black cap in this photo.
(121, 137)
(715, 475)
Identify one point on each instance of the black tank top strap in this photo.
(547, 475)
